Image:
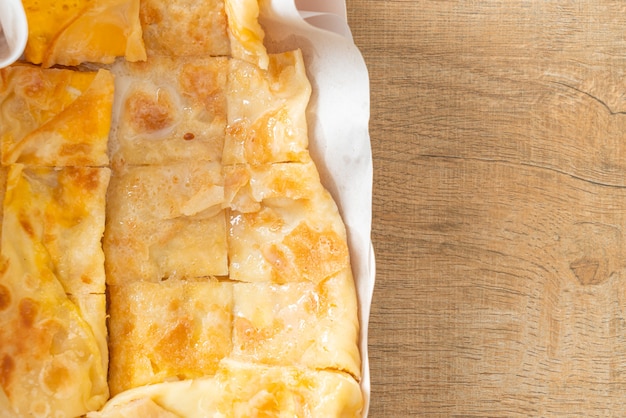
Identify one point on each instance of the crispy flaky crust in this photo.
(167, 247)
(241, 390)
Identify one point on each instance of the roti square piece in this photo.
(72, 32)
(247, 186)
(55, 117)
(174, 329)
(53, 350)
(305, 324)
(165, 222)
(52, 363)
(289, 239)
(242, 390)
(267, 111)
(64, 210)
(181, 28)
(168, 110)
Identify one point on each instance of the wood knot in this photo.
(586, 269)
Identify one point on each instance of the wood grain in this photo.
(499, 140)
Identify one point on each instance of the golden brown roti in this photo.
(241, 390)
(59, 117)
(53, 352)
(295, 235)
(247, 186)
(298, 323)
(168, 330)
(71, 32)
(185, 28)
(169, 110)
(166, 222)
(224, 259)
(266, 111)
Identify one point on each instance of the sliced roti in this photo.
(170, 330)
(187, 28)
(267, 111)
(53, 351)
(166, 222)
(180, 28)
(49, 356)
(169, 110)
(72, 32)
(301, 323)
(64, 210)
(246, 186)
(182, 171)
(58, 117)
(240, 390)
(289, 230)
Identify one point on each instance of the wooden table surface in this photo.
(499, 142)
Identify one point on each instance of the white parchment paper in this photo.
(338, 117)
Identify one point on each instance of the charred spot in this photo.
(188, 136)
(236, 129)
(28, 312)
(150, 113)
(172, 346)
(56, 377)
(4, 265)
(5, 297)
(7, 367)
(150, 14)
(87, 179)
(27, 227)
